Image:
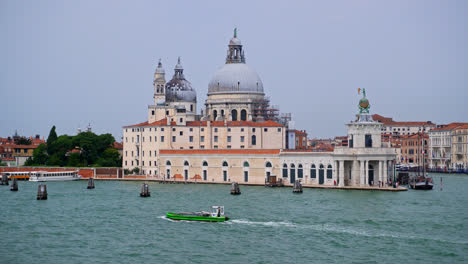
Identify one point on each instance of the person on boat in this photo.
(219, 212)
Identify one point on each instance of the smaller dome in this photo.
(178, 65)
(235, 41)
(160, 69)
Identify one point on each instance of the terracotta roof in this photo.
(389, 121)
(118, 145)
(219, 151)
(298, 132)
(449, 126)
(163, 122)
(24, 146)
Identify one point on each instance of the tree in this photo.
(110, 158)
(136, 170)
(23, 141)
(51, 140)
(74, 160)
(39, 156)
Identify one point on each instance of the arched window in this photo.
(321, 171)
(225, 164)
(234, 115)
(329, 172)
(168, 163)
(186, 163)
(205, 163)
(299, 171)
(246, 164)
(254, 140)
(222, 113)
(215, 115)
(285, 170)
(292, 170)
(268, 164)
(243, 115)
(313, 172)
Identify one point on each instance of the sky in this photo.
(71, 63)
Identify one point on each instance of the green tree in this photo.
(39, 156)
(74, 160)
(51, 140)
(110, 158)
(23, 141)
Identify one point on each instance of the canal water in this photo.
(112, 224)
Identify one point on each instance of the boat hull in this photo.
(179, 217)
(54, 178)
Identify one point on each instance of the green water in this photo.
(112, 224)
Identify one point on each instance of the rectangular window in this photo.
(191, 147)
(155, 153)
(242, 139)
(205, 175)
(126, 139)
(279, 129)
(202, 129)
(125, 163)
(181, 120)
(368, 141)
(242, 146)
(132, 153)
(215, 138)
(152, 112)
(132, 162)
(162, 129)
(126, 154)
(216, 129)
(229, 139)
(253, 129)
(162, 138)
(150, 139)
(242, 129)
(229, 129)
(265, 130)
(202, 139)
(173, 129)
(229, 146)
(143, 163)
(143, 153)
(149, 153)
(191, 129)
(191, 138)
(215, 147)
(202, 147)
(246, 176)
(181, 133)
(313, 173)
(224, 175)
(173, 138)
(155, 138)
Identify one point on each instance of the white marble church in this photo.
(239, 137)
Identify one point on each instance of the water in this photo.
(112, 224)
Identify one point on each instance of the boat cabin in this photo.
(217, 211)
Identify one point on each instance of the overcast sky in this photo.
(70, 63)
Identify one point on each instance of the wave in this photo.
(343, 230)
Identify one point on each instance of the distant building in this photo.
(413, 148)
(441, 146)
(460, 147)
(397, 128)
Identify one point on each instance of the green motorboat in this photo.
(215, 215)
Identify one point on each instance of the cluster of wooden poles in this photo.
(144, 190)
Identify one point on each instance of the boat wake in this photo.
(328, 228)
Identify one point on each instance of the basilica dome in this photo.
(235, 78)
(178, 89)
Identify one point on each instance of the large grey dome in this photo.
(235, 78)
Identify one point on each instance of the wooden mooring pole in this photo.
(144, 192)
(297, 188)
(42, 192)
(14, 185)
(4, 180)
(235, 190)
(91, 183)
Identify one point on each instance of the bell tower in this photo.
(159, 84)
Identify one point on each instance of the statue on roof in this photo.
(363, 105)
(235, 32)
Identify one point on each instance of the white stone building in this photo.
(238, 137)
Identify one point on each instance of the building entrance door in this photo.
(371, 175)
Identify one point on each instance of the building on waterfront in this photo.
(413, 148)
(397, 128)
(240, 137)
(442, 140)
(460, 147)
